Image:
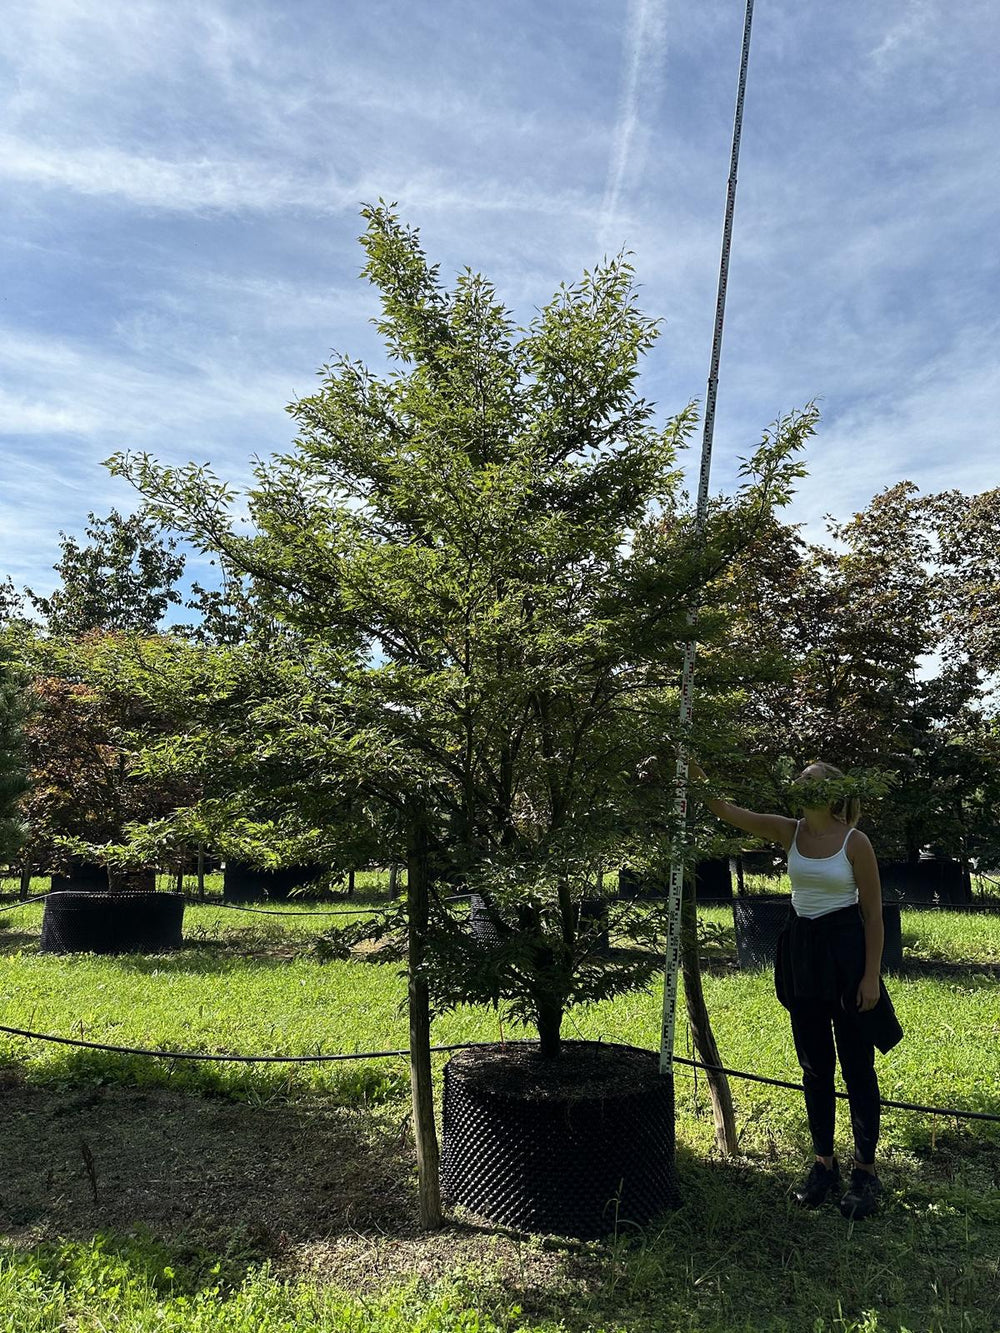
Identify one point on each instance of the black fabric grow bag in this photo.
(242, 883)
(930, 880)
(758, 921)
(892, 949)
(112, 922)
(763, 862)
(632, 885)
(573, 1146)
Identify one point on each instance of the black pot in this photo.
(941, 879)
(82, 877)
(759, 921)
(896, 877)
(634, 886)
(714, 878)
(931, 879)
(577, 1146)
(486, 925)
(489, 928)
(112, 922)
(771, 864)
(244, 883)
(892, 950)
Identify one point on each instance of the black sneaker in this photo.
(861, 1200)
(817, 1185)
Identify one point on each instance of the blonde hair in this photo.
(847, 808)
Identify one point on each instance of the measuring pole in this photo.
(672, 965)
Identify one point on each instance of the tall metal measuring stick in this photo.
(672, 964)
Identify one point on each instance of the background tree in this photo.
(88, 722)
(13, 778)
(876, 667)
(122, 579)
(966, 528)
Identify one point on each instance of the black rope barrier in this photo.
(439, 1050)
(215, 1057)
(797, 1087)
(333, 911)
(23, 902)
(270, 911)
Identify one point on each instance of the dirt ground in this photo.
(317, 1188)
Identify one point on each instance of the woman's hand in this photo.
(868, 993)
(696, 771)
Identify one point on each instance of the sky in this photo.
(182, 184)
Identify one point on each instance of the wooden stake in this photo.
(421, 1085)
(705, 1047)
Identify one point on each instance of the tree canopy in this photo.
(491, 560)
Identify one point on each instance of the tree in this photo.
(966, 527)
(878, 664)
(13, 781)
(89, 719)
(491, 557)
(122, 580)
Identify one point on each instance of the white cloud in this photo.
(644, 49)
(152, 182)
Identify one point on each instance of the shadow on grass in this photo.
(81, 1160)
(201, 955)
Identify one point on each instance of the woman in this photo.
(828, 948)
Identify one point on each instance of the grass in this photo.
(282, 1198)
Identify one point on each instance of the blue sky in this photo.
(182, 182)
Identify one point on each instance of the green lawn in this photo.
(295, 1208)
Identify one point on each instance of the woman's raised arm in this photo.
(772, 828)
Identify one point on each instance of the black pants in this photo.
(814, 1025)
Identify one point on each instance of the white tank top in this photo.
(821, 884)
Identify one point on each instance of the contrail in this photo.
(644, 44)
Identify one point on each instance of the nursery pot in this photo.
(244, 883)
(771, 864)
(931, 879)
(759, 921)
(713, 878)
(892, 950)
(489, 928)
(580, 1145)
(112, 922)
(82, 877)
(632, 885)
(940, 879)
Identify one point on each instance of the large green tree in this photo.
(880, 652)
(491, 556)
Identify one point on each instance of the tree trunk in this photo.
(201, 870)
(350, 884)
(421, 1086)
(394, 881)
(701, 1026)
(180, 880)
(25, 882)
(549, 1016)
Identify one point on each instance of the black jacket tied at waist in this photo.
(822, 959)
